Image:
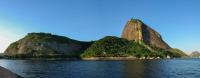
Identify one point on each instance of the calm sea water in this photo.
(176, 68)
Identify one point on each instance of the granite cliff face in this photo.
(138, 31)
(40, 44)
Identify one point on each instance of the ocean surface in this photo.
(174, 68)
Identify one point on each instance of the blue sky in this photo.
(178, 21)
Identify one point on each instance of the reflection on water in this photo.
(178, 68)
(133, 69)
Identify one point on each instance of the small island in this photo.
(137, 41)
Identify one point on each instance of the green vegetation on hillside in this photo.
(179, 53)
(46, 45)
(117, 47)
(138, 50)
(47, 37)
(109, 46)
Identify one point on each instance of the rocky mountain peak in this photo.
(136, 30)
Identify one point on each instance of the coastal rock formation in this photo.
(45, 44)
(4, 73)
(140, 32)
(195, 54)
(137, 40)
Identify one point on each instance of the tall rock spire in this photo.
(136, 30)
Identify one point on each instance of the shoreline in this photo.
(121, 58)
(5, 73)
(89, 58)
(109, 58)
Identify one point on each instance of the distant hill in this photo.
(46, 45)
(195, 54)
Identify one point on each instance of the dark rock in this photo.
(4, 73)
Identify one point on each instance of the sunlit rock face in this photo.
(39, 44)
(136, 30)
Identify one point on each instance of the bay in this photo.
(169, 68)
